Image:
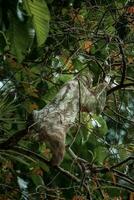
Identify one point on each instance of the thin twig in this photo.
(122, 162)
(124, 66)
(124, 175)
(119, 115)
(117, 185)
(124, 178)
(108, 169)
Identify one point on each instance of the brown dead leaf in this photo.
(47, 153)
(87, 45)
(130, 60)
(38, 171)
(7, 165)
(8, 178)
(77, 197)
(67, 62)
(33, 106)
(130, 10)
(77, 18)
(131, 196)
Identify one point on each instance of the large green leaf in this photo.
(19, 37)
(98, 125)
(39, 13)
(100, 154)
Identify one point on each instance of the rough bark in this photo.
(54, 120)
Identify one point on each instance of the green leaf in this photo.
(38, 11)
(101, 126)
(64, 78)
(7, 114)
(14, 158)
(124, 152)
(38, 180)
(19, 38)
(100, 154)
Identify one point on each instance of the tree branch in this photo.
(118, 87)
(122, 162)
(63, 171)
(15, 138)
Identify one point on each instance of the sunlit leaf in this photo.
(100, 154)
(39, 13)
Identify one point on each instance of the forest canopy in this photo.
(44, 47)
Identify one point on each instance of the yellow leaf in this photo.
(67, 62)
(130, 60)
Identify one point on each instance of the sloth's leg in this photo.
(58, 150)
(57, 144)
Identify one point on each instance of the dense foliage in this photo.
(42, 46)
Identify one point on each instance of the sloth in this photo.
(54, 120)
